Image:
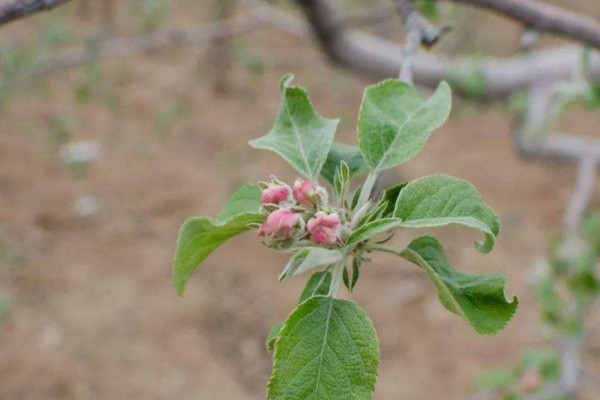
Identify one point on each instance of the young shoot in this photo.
(327, 347)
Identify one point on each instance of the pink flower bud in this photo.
(275, 194)
(305, 193)
(323, 228)
(530, 380)
(280, 223)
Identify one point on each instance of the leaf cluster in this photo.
(328, 347)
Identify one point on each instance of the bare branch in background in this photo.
(533, 140)
(545, 17)
(418, 31)
(220, 52)
(378, 58)
(126, 47)
(11, 10)
(363, 53)
(582, 193)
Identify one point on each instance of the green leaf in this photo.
(439, 200)
(272, 336)
(318, 257)
(346, 277)
(479, 298)
(245, 200)
(391, 196)
(341, 183)
(318, 285)
(327, 349)
(371, 229)
(394, 122)
(350, 283)
(199, 237)
(294, 262)
(300, 135)
(341, 152)
(356, 262)
(310, 258)
(375, 214)
(355, 198)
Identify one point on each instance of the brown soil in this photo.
(94, 315)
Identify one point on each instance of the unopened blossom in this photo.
(275, 194)
(305, 193)
(280, 223)
(324, 228)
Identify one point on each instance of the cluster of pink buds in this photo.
(290, 208)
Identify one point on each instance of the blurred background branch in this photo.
(545, 17)
(11, 10)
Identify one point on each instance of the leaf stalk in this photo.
(367, 188)
(338, 270)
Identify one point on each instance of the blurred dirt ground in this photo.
(93, 312)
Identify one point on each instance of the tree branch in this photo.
(418, 31)
(378, 58)
(15, 9)
(545, 17)
(364, 53)
(128, 46)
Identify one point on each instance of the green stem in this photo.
(366, 190)
(385, 249)
(334, 289)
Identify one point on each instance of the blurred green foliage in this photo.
(174, 111)
(151, 13)
(566, 289)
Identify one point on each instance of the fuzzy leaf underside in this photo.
(394, 122)
(200, 236)
(310, 258)
(244, 200)
(318, 257)
(341, 152)
(371, 229)
(327, 349)
(300, 135)
(479, 298)
(439, 200)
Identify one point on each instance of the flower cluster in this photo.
(299, 212)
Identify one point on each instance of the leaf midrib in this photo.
(388, 119)
(428, 268)
(297, 136)
(328, 319)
